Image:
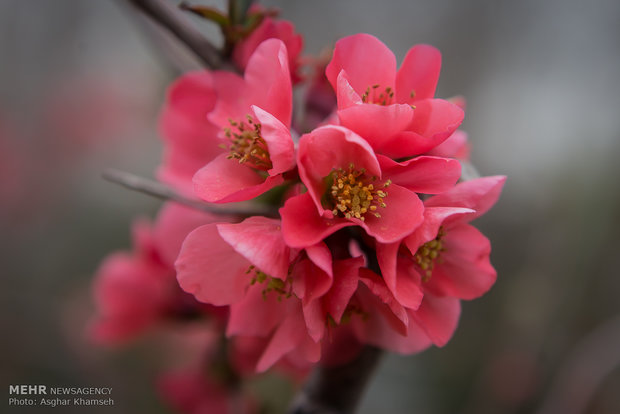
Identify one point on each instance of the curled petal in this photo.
(418, 75)
(225, 180)
(366, 60)
(259, 240)
(424, 174)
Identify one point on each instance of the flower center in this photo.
(247, 144)
(375, 95)
(352, 194)
(284, 288)
(428, 254)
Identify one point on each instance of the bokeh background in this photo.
(81, 85)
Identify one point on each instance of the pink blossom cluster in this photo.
(365, 236)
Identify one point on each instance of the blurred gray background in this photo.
(81, 85)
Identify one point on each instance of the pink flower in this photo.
(271, 29)
(189, 137)
(393, 110)
(442, 261)
(348, 185)
(254, 116)
(135, 290)
(274, 291)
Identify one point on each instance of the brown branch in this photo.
(170, 18)
(338, 389)
(158, 190)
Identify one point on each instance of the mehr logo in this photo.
(28, 389)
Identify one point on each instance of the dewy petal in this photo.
(366, 60)
(210, 269)
(376, 123)
(479, 194)
(418, 75)
(465, 271)
(439, 317)
(279, 141)
(268, 80)
(328, 148)
(402, 215)
(224, 180)
(259, 240)
(424, 174)
(302, 225)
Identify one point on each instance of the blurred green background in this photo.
(81, 85)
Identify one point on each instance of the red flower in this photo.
(348, 185)
(254, 116)
(393, 110)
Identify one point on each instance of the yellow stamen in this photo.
(353, 194)
(428, 254)
(247, 144)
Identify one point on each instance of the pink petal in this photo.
(366, 60)
(381, 328)
(210, 269)
(289, 335)
(424, 174)
(434, 218)
(346, 277)
(174, 223)
(456, 146)
(377, 286)
(436, 119)
(402, 215)
(418, 73)
(279, 141)
(439, 317)
(269, 81)
(224, 180)
(321, 256)
(328, 148)
(465, 270)
(190, 139)
(315, 320)
(259, 240)
(232, 99)
(376, 123)
(479, 194)
(398, 275)
(302, 225)
(309, 281)
(345, 94)
(256, 314)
